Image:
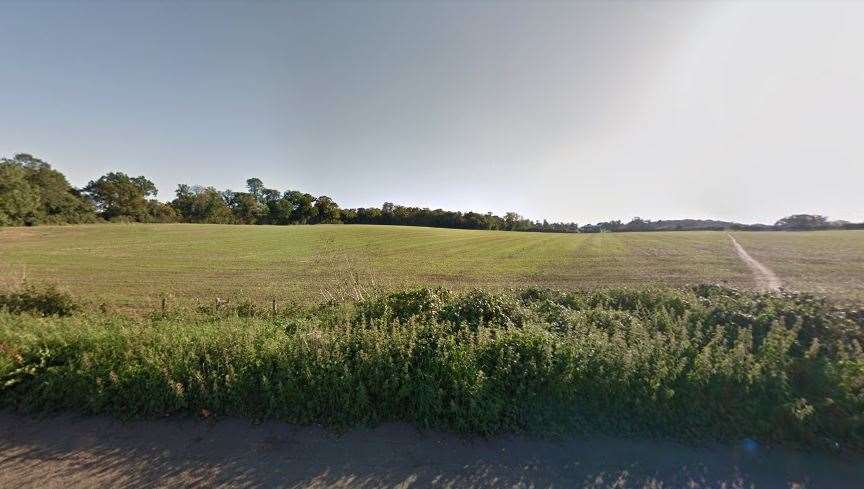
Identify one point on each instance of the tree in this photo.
(247, 208)
(60, 203)
(32, 192)
(637, 224)
(362, 215)
(328, 211)
(19, 201)
(270, 195)
(348, 215)
(802, 221)
(270, 199)
(255, 187)
(608, 226)
(303, 210)
(511, 221)
(202, 205)
(119, 196)
(184, 201)
(35, 193)
(161, 212)
(281, 211)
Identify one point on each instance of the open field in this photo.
(135, 265)
(829, 263)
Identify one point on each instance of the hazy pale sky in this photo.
(569, 111)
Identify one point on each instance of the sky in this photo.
(571, 111)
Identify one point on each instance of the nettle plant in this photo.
(710, 362)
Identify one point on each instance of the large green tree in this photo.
(297, 208)
(31, 192)
(119, 196)
(328, 210)
(19, 202)
(247, 208)
(802, 221)
(202, 205)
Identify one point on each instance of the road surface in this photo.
(75, 452)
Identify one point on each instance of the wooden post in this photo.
(274, 307)
(163, 304)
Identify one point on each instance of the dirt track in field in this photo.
(76, 452)
(766, 279)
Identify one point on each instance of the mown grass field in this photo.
(135, 265)
(829, 263)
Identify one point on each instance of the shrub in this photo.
(730, 365)
(247, 309)
(424, 303)
(646, 300)
(479, 307)
(47, 301)
(472, 309)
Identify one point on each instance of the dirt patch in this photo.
(71, 451)
(765, 279)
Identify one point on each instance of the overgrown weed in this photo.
(710, 362)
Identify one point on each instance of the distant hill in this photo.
(798, 222)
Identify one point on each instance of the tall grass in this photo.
(703, 363)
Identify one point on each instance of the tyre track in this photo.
(766, 279)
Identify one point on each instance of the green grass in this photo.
(131, 264)
(829, 263)
(135, 265)
(709, 363)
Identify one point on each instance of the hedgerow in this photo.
(704, 363)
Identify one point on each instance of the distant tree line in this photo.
(31, 192)
(261, 205)
(797, 222)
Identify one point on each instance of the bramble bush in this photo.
(47, 301)
(710, 362)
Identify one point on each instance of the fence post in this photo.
(163, 304)
(274, 307)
